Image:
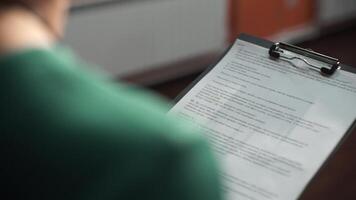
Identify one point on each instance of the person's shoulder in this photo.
(132, 112)
(51, 85)
(91, 125)
(30, 60)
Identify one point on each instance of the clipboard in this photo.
(272, 49)
(269, 45)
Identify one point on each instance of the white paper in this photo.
(271, 124)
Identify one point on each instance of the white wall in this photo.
(333, 11)
(130, 37)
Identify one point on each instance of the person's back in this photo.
(67, 134)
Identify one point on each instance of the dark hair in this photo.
(8, 2)
(13, 2)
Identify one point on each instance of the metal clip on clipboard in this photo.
(278, 49)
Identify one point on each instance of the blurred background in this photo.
(163, 45)
(149, 42)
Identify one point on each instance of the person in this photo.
(66, 133)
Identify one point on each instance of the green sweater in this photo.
(68, 134)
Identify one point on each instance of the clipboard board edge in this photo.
(328, 159)
(248, 38)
